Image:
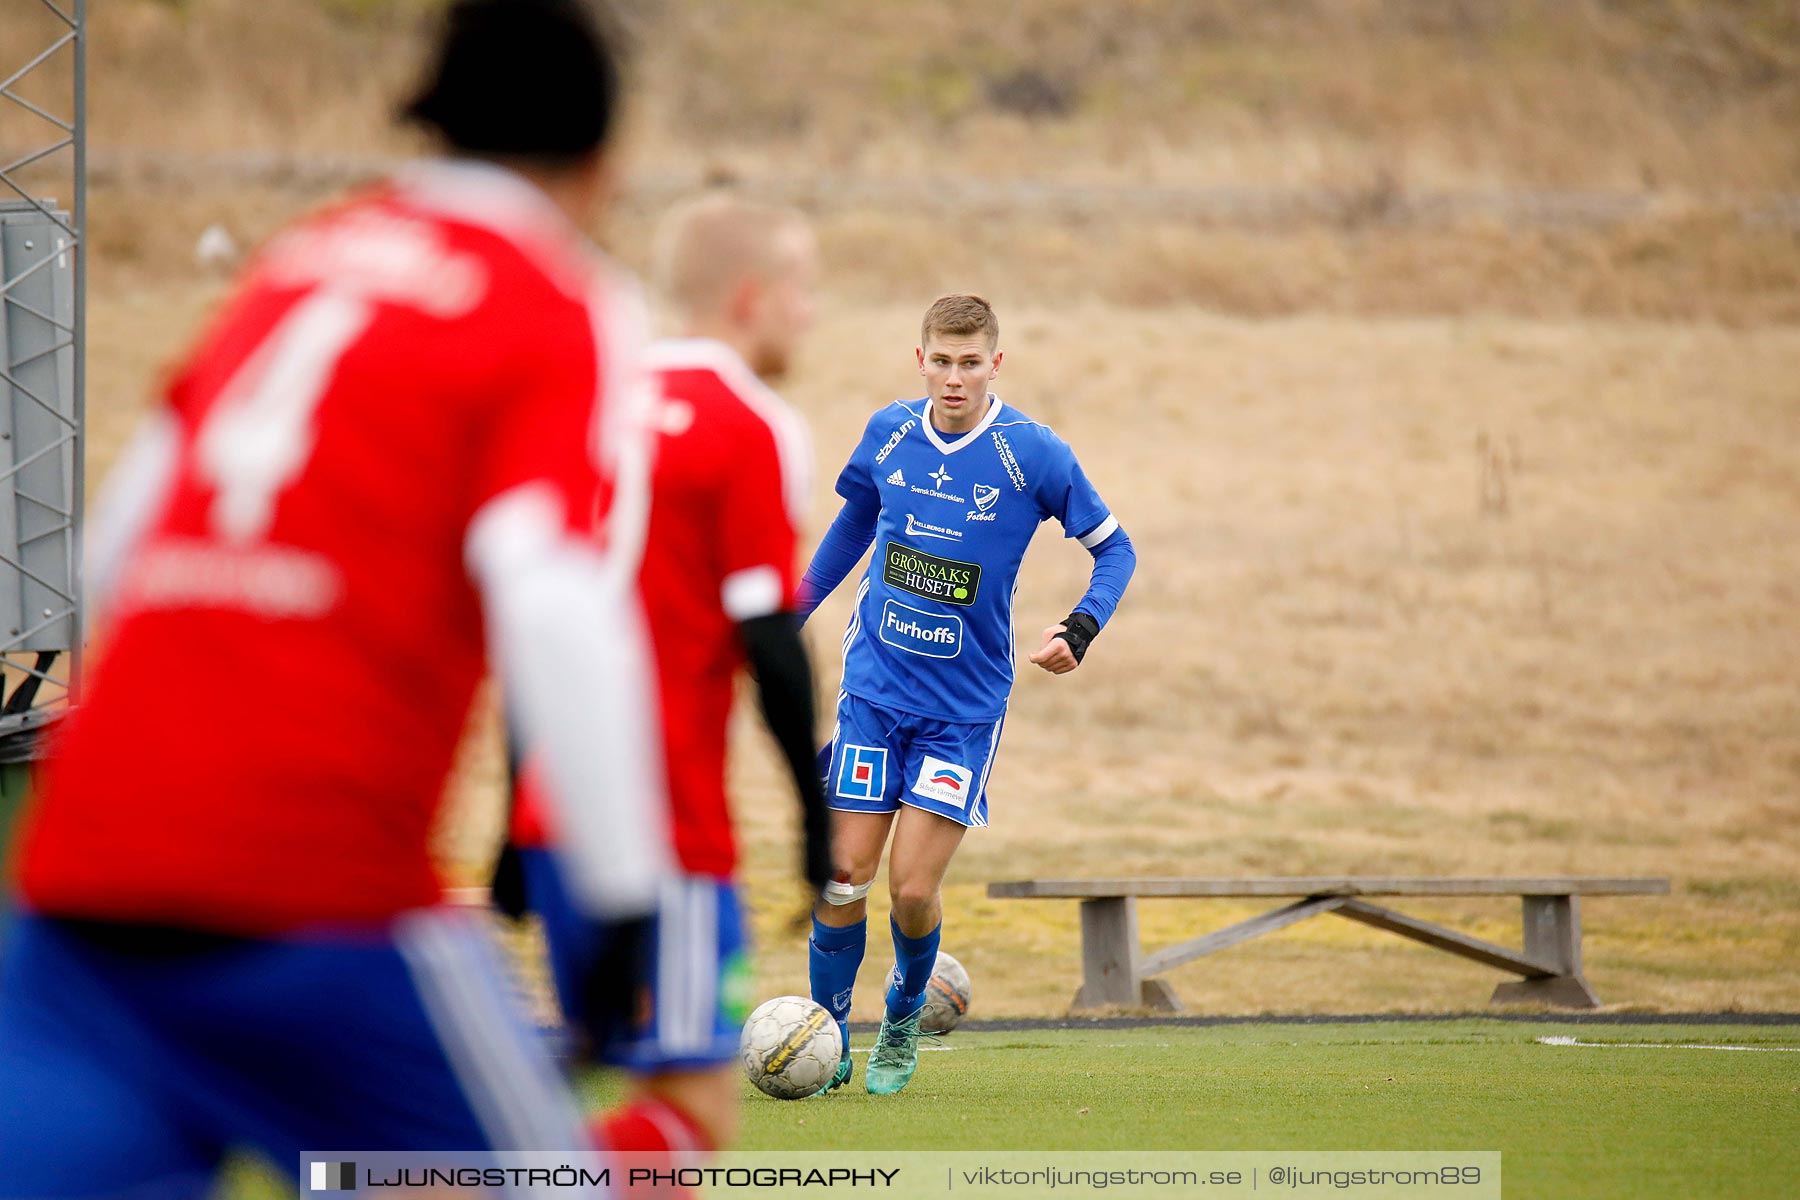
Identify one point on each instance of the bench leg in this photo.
(1158, 996)
(1552, 935)
(1109, 960)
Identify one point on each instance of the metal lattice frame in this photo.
(57, 600)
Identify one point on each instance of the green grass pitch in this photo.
(1570, 1121)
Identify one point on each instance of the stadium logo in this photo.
(894, 440)
(863, 773)
(333, 1177)
(944, 782)
(897, 479)
(947, 580)
(933, 635)
(985, 496)
(1008, 461)
(941, 476)
(918, 528)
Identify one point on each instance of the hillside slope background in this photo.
(1442, 359)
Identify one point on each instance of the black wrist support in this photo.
(1078, 630)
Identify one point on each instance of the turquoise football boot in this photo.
(841, 1077)
(896, 1054)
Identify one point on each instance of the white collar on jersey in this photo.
(481, 193)
(674, 353)
(792, 439)
(964, 439)
(493, 197)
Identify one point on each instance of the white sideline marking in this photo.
(922, 1049)
(1099, 1046)
(1569, 1041)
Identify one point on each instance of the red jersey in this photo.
(266, 741)
(730, 482)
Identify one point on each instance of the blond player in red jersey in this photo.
(380, 465)
(731, 477)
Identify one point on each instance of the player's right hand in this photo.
(1055, 655)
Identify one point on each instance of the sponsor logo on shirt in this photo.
(945, 782)
(893, 440)
(273, 583)
(946, 579)
(897, 479)
(918, 528)
(862, 774)
(937, 495)
(1008, 461)
(941, 476)
(934, 635)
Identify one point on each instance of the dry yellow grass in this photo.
(1693, 98)
(1433, 596)
(1469, 546)
(1412, 157)
(1417, 596)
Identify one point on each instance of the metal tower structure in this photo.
(43, 286)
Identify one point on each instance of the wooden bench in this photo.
(1115, 972)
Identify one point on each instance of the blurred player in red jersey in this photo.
(733, 466)
(386, 454)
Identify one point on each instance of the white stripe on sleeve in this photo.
(752, 592)
(1100, 532)
(133, 498)
(568, 639)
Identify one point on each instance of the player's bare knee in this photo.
(913, 900)
(858, 862)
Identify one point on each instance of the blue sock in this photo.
(833, 955)
(913, 960)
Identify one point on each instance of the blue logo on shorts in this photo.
(919, 632)
(863, 773)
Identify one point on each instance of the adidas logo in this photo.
(897, 479)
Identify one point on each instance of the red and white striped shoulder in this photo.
(788, 429)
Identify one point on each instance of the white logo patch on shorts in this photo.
(944, 782)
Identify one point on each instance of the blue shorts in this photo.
(879, 759)
(698, 978)
(131, 1060)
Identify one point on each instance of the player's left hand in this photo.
(1055, 655)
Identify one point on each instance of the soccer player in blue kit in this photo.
(950, 488)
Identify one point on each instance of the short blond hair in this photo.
(709, 244)
(960, 314)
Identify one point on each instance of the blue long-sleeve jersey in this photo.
(950, 516)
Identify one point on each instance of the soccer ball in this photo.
(946, 996)
(791, 1047)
